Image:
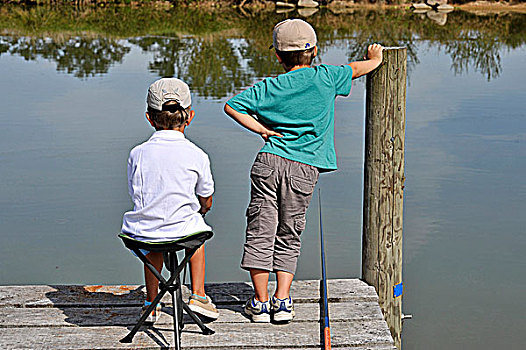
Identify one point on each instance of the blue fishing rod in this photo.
(326, 326)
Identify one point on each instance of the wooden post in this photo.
(384, 184)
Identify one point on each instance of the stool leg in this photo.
(162, 290)
(180, 303)
(197, 320)
(177, 299)
(177, 330)
(129, 337)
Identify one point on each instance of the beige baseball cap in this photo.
(293, 35)
(168, 89)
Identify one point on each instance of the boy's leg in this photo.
(260, 282)
(262, 222)
(281, 303)
(258, 306)
(295, 194)
(284, 281)
(199, 302)
(152, 283)
(197, 271)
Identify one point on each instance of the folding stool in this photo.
(173, 283)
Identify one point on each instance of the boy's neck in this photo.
(180, 129)
(298, 67)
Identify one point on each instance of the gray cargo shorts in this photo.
(280, 193)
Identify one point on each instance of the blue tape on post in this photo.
(398, 290)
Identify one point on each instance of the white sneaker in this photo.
(283, 309)
(258, 311)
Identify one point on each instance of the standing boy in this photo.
(171, 185)
(294, 114)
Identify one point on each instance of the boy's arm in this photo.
(206, 204)
(250, 123)
(374, 58)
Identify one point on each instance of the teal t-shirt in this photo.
(300, 106)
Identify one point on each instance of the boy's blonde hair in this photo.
(296, 58)
(172, 116)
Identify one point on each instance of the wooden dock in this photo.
(96, 317)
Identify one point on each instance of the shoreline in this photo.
(474, 6)
(123, 21)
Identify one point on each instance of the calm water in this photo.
(73, 106)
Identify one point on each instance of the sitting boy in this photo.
(171, 185)
(294, 114)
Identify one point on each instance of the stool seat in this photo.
(188, 242)
(172, 285)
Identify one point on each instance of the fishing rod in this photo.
(326, 326)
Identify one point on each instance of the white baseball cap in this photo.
(168, 89)
(293, 35)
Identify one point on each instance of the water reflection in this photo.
(213, 68)
(218, 53)
(79, 56)
(481, 54)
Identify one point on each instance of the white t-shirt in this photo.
(165, 176)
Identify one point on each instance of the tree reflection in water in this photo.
(218, 54)
(482, 54)
(212, 67)
(79, 56)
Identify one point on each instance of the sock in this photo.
(200, 297)
(148, 303)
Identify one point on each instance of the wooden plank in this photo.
(128, 316)
(365, 347)
(227, 336)
(304, 291)
(133, 295)
(64, 295)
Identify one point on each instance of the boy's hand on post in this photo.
(374, 52)
(372, 61)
